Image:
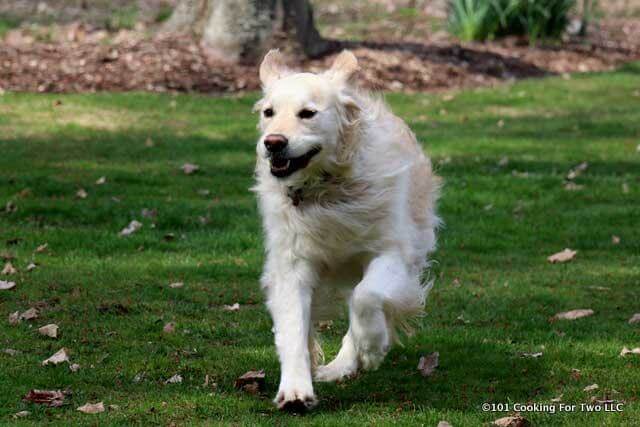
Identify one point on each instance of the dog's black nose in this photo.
(275, 143)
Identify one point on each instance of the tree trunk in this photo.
(237, 30)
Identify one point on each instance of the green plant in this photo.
(485, 19)
(471, 19)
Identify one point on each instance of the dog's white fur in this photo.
(360, 232)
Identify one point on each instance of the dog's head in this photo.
(304, 117)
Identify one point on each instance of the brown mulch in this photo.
(81, 60)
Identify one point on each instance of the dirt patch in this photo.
(78, 58)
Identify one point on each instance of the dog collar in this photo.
(295, 194)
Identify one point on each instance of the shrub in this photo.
(486, 19)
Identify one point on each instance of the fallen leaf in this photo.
(11, 352)
(444, 424)
(204, 192)
(591, 387)
(557, 399)
(52, 398)
(50, 330)
(31, 266)
(500, 123)
(252, 382)
(572, 186)
(626, 351)
(176, 379)
(517, 421)
(575, 172)
(139, 377)
(169, 328)
(428, 364)
(21, 414)
(8, 269)
(325, 325)
(531, 355)
(189, 168)
(564, 256)
(576, 374)
(81, 193)
(635, 319)
(92, 408)
(234, 307)
(131, 228)
(59, 357)
(74, 367)
(5, 286)
(42, 248)
(176, 285)
(14, 318)
(30, 314)
(615, 240)
(114, 407)
(102, 180)
(574, 314)
(625, 188)
(504, 161)
(10, 207)
(149, 143)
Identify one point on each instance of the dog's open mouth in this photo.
(282, 166)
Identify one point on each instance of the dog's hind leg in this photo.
(386, 298)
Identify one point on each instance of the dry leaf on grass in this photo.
(531, 355)
(14, 318)
(52, 398)
(234, 307)
(626, 351)
(131, 228)
(21, 414)
(5, 286)
(169, 328)
(92, 408)
(517, 421)
(564, 256)
(573, 314)
(11, 352)
(102, 180)
(42, 248)
(572, 186)
(615, 239)
(252, 382)
(176, 379)
(591, 387)
(634, 319)
(176, 285)
(74, 367)
(444, 424)
(59, 357)
(30, 314)
(8, 269)
(189, 168)
(575, 172)
(81, 193)
(32, 266)
(50, 330)
(428, 364)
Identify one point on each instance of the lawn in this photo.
(504, 154)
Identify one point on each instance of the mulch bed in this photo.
(85, 60)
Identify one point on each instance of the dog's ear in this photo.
(272, 67)
(344, 67)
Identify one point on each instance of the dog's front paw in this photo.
(295, 399)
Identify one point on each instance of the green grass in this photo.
(110, 294)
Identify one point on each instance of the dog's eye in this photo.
(268, 112)
(306, 113)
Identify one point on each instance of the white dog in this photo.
(348, 204)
